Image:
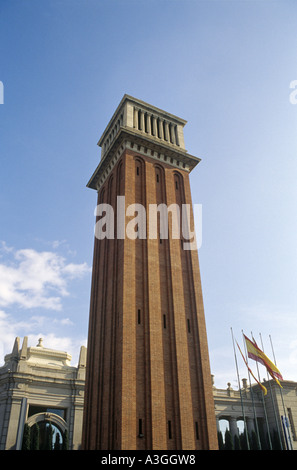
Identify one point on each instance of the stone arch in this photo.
(160, 183)
(139, 161)
(140, 177)
(179, 183)
(50, 418)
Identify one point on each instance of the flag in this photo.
(255, 353)
(262, 386)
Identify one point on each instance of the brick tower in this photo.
(148, 382)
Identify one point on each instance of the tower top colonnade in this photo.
(155, 132)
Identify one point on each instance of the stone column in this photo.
(176, 135)
(135, 119)
(250, 425)
(172, 133)
(218, 423)
(154, 129)
(148, 123)
(142, 128)
(161, 129)
(233, 426)
(166, 136)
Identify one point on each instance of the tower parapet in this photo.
(150, 131)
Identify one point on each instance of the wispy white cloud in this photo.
(75, 271)
(32, 279)
(36, 327)
(58, 243)
(36, 280)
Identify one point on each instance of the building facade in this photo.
(271, 418)
(39, 386)
(148, 381)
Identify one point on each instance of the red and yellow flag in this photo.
(259, 383)
(255, 353)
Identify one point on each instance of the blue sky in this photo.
(226, 67)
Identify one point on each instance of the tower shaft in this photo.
(148, 383)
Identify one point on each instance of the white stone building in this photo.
(38, 385)
(269, 416)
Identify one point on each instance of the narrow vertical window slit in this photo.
(169, 430)
(140, 430)
(197, 431)
(189, 326)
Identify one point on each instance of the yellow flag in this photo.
(255, 353)
(259, 383)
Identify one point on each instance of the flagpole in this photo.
(281, 392)
(252, 395)
(264, 406)
(272, 399)
(242, 407)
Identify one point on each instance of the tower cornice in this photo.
(146, 129)
(145, 146)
